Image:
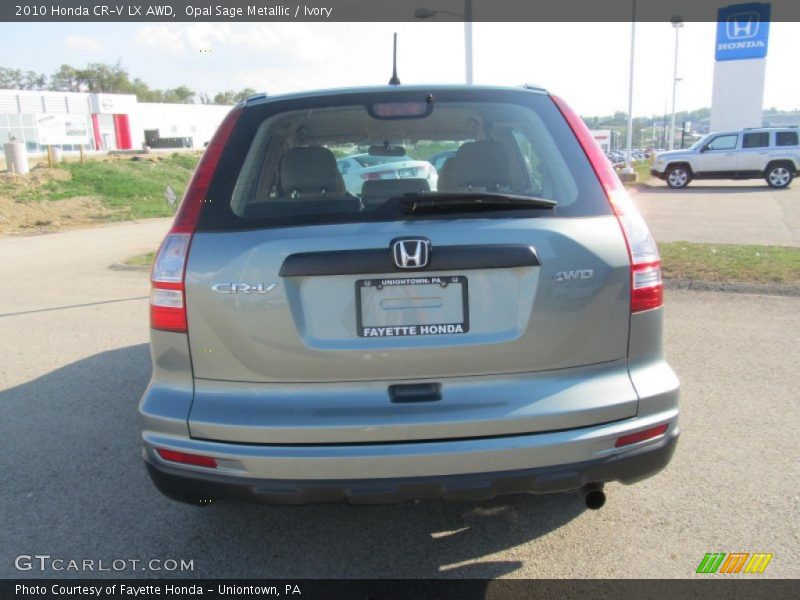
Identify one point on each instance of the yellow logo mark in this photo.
(758, 562)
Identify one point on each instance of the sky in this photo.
(585, 63)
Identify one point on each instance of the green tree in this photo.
(111, 79)
(66, 79)
(179, 95)
(232, 97)
(244, 94)
(17, 79)
(224, 97)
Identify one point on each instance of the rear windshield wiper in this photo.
(468, 201)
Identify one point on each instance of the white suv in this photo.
(769, 153)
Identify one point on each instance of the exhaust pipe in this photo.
(593, 495)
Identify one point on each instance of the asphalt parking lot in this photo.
(722, 212)
(75, 362)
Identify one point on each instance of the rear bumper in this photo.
(627, 465)
(526, 444)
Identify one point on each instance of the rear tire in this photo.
(779, 175)
(678, 177)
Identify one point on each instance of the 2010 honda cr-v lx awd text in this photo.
(500, 333)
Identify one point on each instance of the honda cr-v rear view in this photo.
(489, 327)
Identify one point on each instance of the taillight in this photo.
(167, 293)
(373, 175)
(647, 286)
(167, 308)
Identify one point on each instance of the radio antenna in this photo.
(394, 80)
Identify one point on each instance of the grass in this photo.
(731, 263)
(133, 189)
(144, 260)
(710, 262)
(642, 168)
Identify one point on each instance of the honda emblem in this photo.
(411, 253)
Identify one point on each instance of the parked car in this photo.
(501, 334)
(359, 168)
(769, 153)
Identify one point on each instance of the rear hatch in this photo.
(304, 311)
(567, 307)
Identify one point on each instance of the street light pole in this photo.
(468, 40)
(677, 23)
(629, 140)
(427, 13)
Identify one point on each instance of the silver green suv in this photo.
(771, 154)
(499, 333)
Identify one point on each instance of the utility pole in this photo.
(468, 40)
(677, 23)
(629, 138)
(427, 13)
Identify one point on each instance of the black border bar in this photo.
(711, 587)
(373, 10)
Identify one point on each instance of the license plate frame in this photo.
(416, 329)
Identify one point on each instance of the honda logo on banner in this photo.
(743, 26)
(742, 31)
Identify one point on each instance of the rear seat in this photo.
(307, 173)
(310, 173)
(477, 166)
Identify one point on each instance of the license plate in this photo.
(411, 306)
(407, 173)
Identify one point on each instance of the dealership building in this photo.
(103, 122)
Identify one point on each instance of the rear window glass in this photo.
(756, 140)
(340, 162)
(365, 160)
(786, 138)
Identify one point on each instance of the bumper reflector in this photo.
(187, 459)
(627, 440)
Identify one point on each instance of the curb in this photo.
(124, 267)
(640, 186)
(737, 287)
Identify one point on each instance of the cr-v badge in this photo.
(242, 288)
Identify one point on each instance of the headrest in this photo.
(379, 190)
(477, 165)
(310, 171)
